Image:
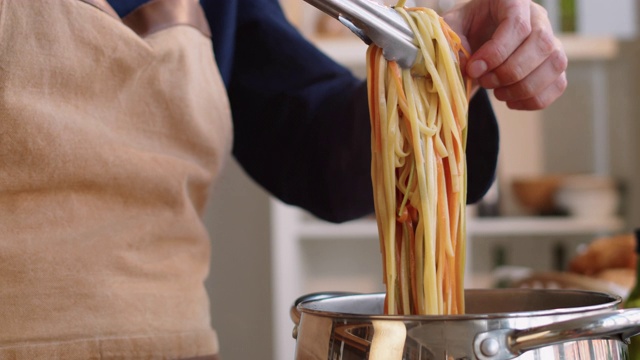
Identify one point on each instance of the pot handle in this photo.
(507, 344)
(294, 313)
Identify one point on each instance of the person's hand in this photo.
(513, 51)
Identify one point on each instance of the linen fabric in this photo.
(109, 142)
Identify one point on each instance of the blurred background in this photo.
(567, 176)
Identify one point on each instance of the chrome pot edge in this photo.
(485, 336)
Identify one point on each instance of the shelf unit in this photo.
(311, 230)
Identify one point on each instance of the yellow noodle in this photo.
(419, 169)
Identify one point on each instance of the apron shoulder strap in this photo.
(156, 15)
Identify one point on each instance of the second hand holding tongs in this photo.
(374, 23)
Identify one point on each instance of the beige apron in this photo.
(111, 132)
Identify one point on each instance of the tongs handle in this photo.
(375, 23)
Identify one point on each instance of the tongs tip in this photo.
(356, 30)
(374, 23)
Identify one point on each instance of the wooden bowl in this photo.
(536, 194)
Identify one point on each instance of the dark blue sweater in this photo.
(301, 122)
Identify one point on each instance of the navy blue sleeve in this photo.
(302, 125)
(483, 143)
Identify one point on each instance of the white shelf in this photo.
(542, 226)
(317, 230)
(311, 230)
(579, 48)
(350, 51)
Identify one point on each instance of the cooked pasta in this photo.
(418, 168)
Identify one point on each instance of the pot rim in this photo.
(307, 307)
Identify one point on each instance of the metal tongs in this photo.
(375, 23)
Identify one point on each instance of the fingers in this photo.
(538, 86)
(538, 46)
(525, 64)
(541, 100)
(514, 26)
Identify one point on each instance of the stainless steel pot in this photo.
(499, 324)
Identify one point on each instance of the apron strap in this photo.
(156, 15)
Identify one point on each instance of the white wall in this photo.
(568, 129)
(240, 282)
(624, 90)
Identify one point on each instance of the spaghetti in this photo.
(418, 169)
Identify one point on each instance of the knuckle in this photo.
(538, 10)
(541, 10)
(525, 89)
(510, 73)
(559, 61)
(537, 103)
(547, 97)
(501, 52)
(521, 26)
(562, 83)
(518, 105)
(489, 82)
(546, 42)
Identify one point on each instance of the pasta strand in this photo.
(418, 168)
